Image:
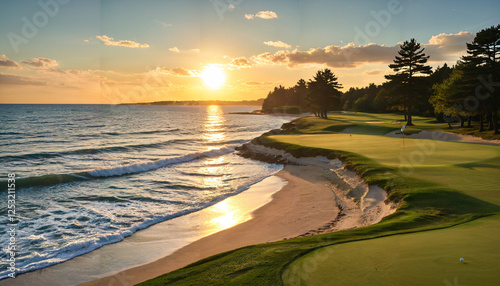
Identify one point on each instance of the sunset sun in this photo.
(213, 77)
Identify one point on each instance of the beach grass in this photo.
(441, 199)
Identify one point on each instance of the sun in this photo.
(213, 76)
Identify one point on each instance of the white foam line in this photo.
(144, 167)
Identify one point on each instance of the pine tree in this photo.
(484, 55)
(300, 92)
(408, 65)
(324, 93)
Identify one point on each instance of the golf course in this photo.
(448, 198)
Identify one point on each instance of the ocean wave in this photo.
(140, 132)
(144, 167)
(54, 179)
(90, 151)
(73, 248)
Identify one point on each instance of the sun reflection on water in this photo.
(214, 125)
(226, 215)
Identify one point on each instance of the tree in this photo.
(450, 95)
(276, 98)
(324, 93)
(408, 65)
(483, 54)
(300, 92)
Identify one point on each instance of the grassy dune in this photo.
(443, 191)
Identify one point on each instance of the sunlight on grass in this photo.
(391, 152)
(424, 258)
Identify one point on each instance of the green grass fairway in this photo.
(425, 258)
(365, 123)
(390, 151)
(476, 179)
(449, 195)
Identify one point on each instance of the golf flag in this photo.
(403, 128)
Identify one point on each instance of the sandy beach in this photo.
(317, 198)
(309, 196)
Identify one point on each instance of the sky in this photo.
(123, 51)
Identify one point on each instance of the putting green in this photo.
(390, 151)
(424, 258)
(482, 182)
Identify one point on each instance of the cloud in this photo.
(440, 48)
(278, 58)
(240, 63)
(8, 79)
(41, 63)
(259, 83)
(278, 44)
(109, 41)
(177, 50)
(374, 72)
(452, 40)
(163, 24)
(266, 15)
(179, 71)
(7, 63)
(445, 46)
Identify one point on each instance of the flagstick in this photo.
(403, 131)
(403, 140)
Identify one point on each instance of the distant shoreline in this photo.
(257, 102)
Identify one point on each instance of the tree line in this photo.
(461, 93)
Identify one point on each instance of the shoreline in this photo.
(154, 242)
(320, 196)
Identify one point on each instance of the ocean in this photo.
(91, 175)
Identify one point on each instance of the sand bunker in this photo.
(360, 204)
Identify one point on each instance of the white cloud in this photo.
(177, 50)
(43, 63)
(174, 50)
(443, 47)
(109, 41)
(278, 44)
(7, 63)
(452, 40)
(266, 15)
